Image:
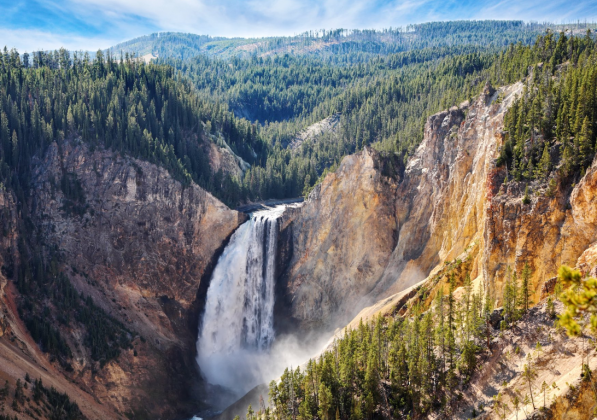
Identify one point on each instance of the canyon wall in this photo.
(365, 234)
(142, 245)
(341, 240)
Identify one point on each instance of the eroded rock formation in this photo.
(363, 236)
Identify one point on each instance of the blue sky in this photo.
(93, 24)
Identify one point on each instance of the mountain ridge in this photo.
(385, 41)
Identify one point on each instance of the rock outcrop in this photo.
(363, 236)
(313, 132)
(557, 363)
(341, 240)
(553, 229)
(222, 158)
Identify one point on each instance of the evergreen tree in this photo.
(585, 142)
(529, 374)
(544, 166)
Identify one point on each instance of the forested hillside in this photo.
(553, 124)
(130, 108)
(338, 45)
(423, 359)
(406, 366)
(382, 102)
(150, 112)
(138, 109)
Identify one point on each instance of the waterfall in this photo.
(238, 324)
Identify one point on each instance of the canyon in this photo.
(145, 248)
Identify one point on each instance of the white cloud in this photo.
(560, 11)
(255, 17)
(119, 20)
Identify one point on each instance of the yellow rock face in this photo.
(362, 237)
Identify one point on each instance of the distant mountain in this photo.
(337, 42)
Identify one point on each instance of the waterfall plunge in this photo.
(237, 329)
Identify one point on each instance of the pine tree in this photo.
(15, 148)
(19, 395)
(451, 379)
(487, 308)
(526, 199)
(37, 390)
(507, 295)
(5, 392)
(544, 165)
(325, 402)
(529, 374)
(516, 405)
(441, 334)
(450, 327)
(515, 296)
(585, 141)
(544, 388)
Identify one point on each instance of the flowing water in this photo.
(237, 330)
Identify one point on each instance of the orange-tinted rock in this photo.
(363, 236)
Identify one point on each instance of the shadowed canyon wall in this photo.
(142, 246)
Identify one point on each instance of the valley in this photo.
(339, 224)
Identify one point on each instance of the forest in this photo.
(339, 46)
(405, 365)
(419, 362)
(553, 124)
(385, 101)
(166, 112)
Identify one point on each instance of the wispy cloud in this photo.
(540, 10)
(90, 24)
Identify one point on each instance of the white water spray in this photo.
(238, 326)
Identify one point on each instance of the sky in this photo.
(92, 24)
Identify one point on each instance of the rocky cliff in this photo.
(341, 238)
(365, 234)
(371, 241)
(553, 229)
(142, 246)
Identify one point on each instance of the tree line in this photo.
(133, 108)
(340, 46)
(550, 129)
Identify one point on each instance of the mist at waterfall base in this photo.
(236, 347)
